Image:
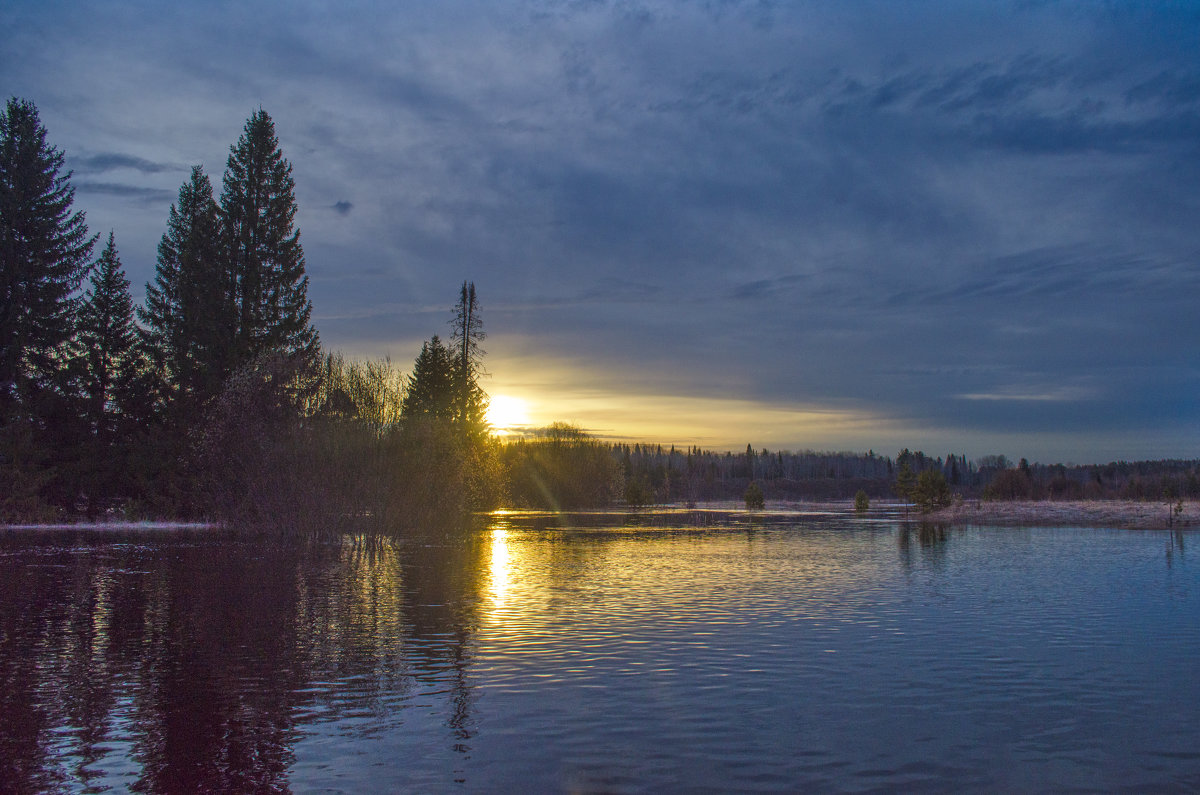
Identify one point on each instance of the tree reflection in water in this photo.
(930, 537)
(189, 663)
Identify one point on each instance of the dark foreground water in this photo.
(604, 654)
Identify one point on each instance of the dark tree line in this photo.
(646, 474)
(214, 397)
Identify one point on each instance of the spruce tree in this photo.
(109, 366)
(189, 320)
(107, 341)
(45, 254)
(258, 210)
(431, 389)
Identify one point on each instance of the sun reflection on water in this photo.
(500, 570)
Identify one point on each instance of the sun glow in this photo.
(507, 414)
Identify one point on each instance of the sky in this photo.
(951, 226)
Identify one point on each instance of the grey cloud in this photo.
(142, 194)
(342, 207)
(112, 161)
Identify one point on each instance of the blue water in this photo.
(659, 652)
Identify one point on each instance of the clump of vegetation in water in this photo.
(931, 491)
(862, 503)
(754, 497)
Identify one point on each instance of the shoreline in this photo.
(115, 525)
(1125, 514)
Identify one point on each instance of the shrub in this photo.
(754, 497)
(931, 490)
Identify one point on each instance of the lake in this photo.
(682, 650)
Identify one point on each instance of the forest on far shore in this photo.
(215, 399)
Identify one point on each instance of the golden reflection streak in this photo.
(636, 574)
(500, 569)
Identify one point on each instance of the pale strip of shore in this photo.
(1062, 513)
(115, 526)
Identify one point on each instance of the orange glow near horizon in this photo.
(626, 402)
(635, 416)
(529, 389)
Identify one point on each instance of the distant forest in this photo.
(215, 399)
(692, 474)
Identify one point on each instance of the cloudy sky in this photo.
(955, 226)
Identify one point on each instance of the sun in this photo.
(507, 414)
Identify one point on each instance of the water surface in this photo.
(685, 651)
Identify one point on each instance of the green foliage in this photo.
(441, 474)
(862, 503)
(348, 446)
(754, 497)
(931, 490)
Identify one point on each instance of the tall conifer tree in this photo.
(45, 254)
(258, 210)
(107, 342)
(431, 390)
(109, 365)
(190, 314)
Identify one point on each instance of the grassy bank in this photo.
(1106, 513)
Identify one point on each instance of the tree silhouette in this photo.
(258, 211)
(189, 318)
(431, 389)
(110, 366)
(470, 401)
(45, 254)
